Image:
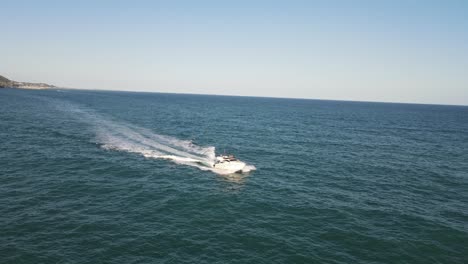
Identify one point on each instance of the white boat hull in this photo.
(231, 166)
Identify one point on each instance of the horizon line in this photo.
(258, 96)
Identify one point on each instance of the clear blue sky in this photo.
(399, 51)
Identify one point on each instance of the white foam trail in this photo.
(151, 145)
(120, 136)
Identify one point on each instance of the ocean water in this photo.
(119, 177)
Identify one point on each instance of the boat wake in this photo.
(112, 135)
(140, 140)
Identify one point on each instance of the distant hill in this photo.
(7, 83)
(4, 81)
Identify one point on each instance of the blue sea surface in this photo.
(100, 177)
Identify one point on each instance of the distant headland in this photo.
(7, 83)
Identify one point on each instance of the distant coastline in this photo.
(7, 83)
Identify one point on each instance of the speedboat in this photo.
(229, 163)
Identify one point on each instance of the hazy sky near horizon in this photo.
(398, 51)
